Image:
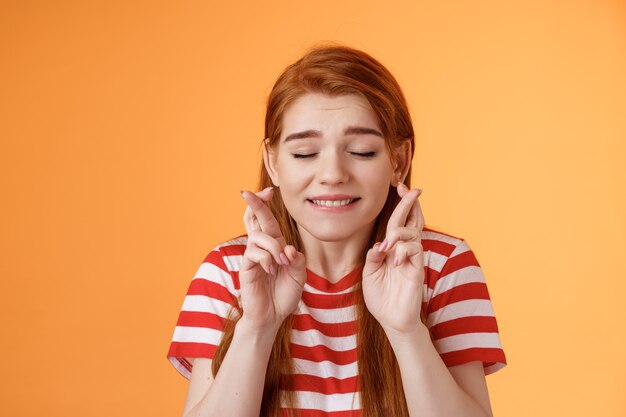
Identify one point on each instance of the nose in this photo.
(332, 168)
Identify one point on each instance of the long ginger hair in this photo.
(338, 70)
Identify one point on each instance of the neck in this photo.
(334, 259)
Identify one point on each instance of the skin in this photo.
(273, 274)
(337, 162)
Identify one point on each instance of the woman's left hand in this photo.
(393, 275)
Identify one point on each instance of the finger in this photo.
(400, 213)
(249, 219)
(406, 251)
(263, 214)
(398, 234)
(420, 217)
(415, 217)
(257, 256)
(412, 219)
(265, 194)
(402, 189)
(295, 266)
(297, 263)
(293, 256)
(374, 259)
(250, 222)
(268, 244)
(290, 253)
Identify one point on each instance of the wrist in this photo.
(253, 331)
(401, 340)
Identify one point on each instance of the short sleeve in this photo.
(212, 295)
(460, 314)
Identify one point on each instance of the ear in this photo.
(401, 163)
(269, 160)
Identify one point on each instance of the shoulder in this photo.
(439, 247)
(449, 261)
(442, 242)
(223, 262)
(228, 254)
(460, 315)
(233, 247)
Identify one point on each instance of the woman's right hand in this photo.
(272, 273)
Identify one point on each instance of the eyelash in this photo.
(360, 154)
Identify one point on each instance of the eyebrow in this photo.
(352, 130)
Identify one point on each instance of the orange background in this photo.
(128, 129)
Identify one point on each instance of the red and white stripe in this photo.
(323, 339)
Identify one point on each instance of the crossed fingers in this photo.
(405, 227)
(266, 244)
(258, 216)
(407, 212)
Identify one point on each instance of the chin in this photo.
(330, 232)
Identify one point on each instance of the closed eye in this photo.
(364, 154)
(310, 155)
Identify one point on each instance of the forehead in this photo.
(314, 110)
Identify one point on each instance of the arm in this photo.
(272, 275)
(393, 280)
(433, 390)
(238, 387)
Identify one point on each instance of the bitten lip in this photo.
(334, 197)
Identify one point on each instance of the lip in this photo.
(334, 197)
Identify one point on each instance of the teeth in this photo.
(333, 203)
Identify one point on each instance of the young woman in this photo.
(338, 301)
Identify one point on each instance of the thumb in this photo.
(297, 264)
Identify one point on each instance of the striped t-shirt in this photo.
(455, 302)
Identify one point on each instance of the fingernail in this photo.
(395, 261)
(383, 246)
(268, 188)
(272, 269)
(284, 258)
(419, 192)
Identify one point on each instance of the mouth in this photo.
(333, 203)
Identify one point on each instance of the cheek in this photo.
(380, 181)
(380, 175)
(292, 184)
(294, 174)
(284, 173)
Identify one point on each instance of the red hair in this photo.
(338, 70)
